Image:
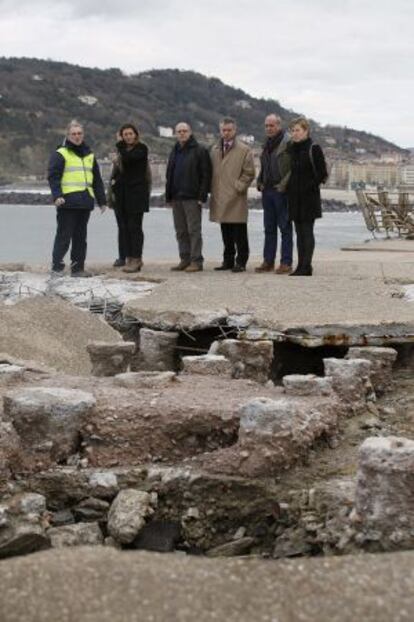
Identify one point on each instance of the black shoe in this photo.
(302, 272)
(239, 269)
(118, 263)
(225, 266)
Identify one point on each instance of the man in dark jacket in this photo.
(272, 182)
(75, 181)
(188, 184)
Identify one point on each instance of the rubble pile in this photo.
(149, 452)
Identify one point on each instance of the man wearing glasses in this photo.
(75, 182)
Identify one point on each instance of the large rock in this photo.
(207, 364)
(275, 433)
(307, 384)
(10, 373)
(48, 420)
(384, 499)
(145, 379)
(10, 452)
(157, 351)
(109, 359)
(250, 359)
(22, 525)
(128, 513)
(382, 361)
(351, 380)
(79, 534)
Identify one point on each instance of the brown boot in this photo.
(181, 266)
(283, 269)
(194, 267)
(134, 264)
(265, 267)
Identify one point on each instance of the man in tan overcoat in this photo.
(233, 172)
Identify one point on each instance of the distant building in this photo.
(407, 175)
(247, 138)
(243, 103)
(165, 132)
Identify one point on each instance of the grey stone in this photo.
(351, 381)
(48, 420)
(78, 534)
(250, 359)
(207, 364)
(11, 373)
(157, 351)
(109, 359)
(62, 517)
(382, 361)
(23, 525)
(105, 480)
(233, 548)
(274, 433)
(384, 499)
(91, 509)
(309, 384)
(127, 514)
(145, 379)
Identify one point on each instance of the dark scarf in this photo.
(273, 142)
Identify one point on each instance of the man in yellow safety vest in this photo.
(75, 182)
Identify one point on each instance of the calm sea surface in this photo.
(27, 233)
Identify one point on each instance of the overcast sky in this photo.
(347, 62)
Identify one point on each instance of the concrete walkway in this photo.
(349, 289)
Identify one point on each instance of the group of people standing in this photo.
(292, 168)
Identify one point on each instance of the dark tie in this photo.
(226, 148)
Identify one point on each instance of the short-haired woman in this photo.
(308, 171)
(131, 185)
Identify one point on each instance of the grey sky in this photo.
(347, 62)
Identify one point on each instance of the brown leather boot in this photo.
(133, 265)
(181, 266)
(194, 267)
(283, 269)
(265, 267)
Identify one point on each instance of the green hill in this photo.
(38, 98)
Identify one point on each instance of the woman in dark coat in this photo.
(308, 171)
(131, 185)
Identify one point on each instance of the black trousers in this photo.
(305, 242)
(235, 242)
(130, 233)
(71, 231)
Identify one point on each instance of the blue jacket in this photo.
(77, 200)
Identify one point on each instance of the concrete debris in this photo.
(156, 351)
(250, 359)
(384, 499)
(145, 379)
(382, 361)
(10, 373)
(110, 359)
(23, 523)
(48, 420)
(207, 364)
(309, 384)
(128, 513)
(79, 534)
(351, 379)
(275, 433)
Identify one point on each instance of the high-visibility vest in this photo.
(78, 172)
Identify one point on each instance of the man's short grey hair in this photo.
(188, 126)
(73, 123)
(228, 121)
(274, 116)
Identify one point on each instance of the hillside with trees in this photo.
(38, 98)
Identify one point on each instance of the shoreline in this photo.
(40, 198)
